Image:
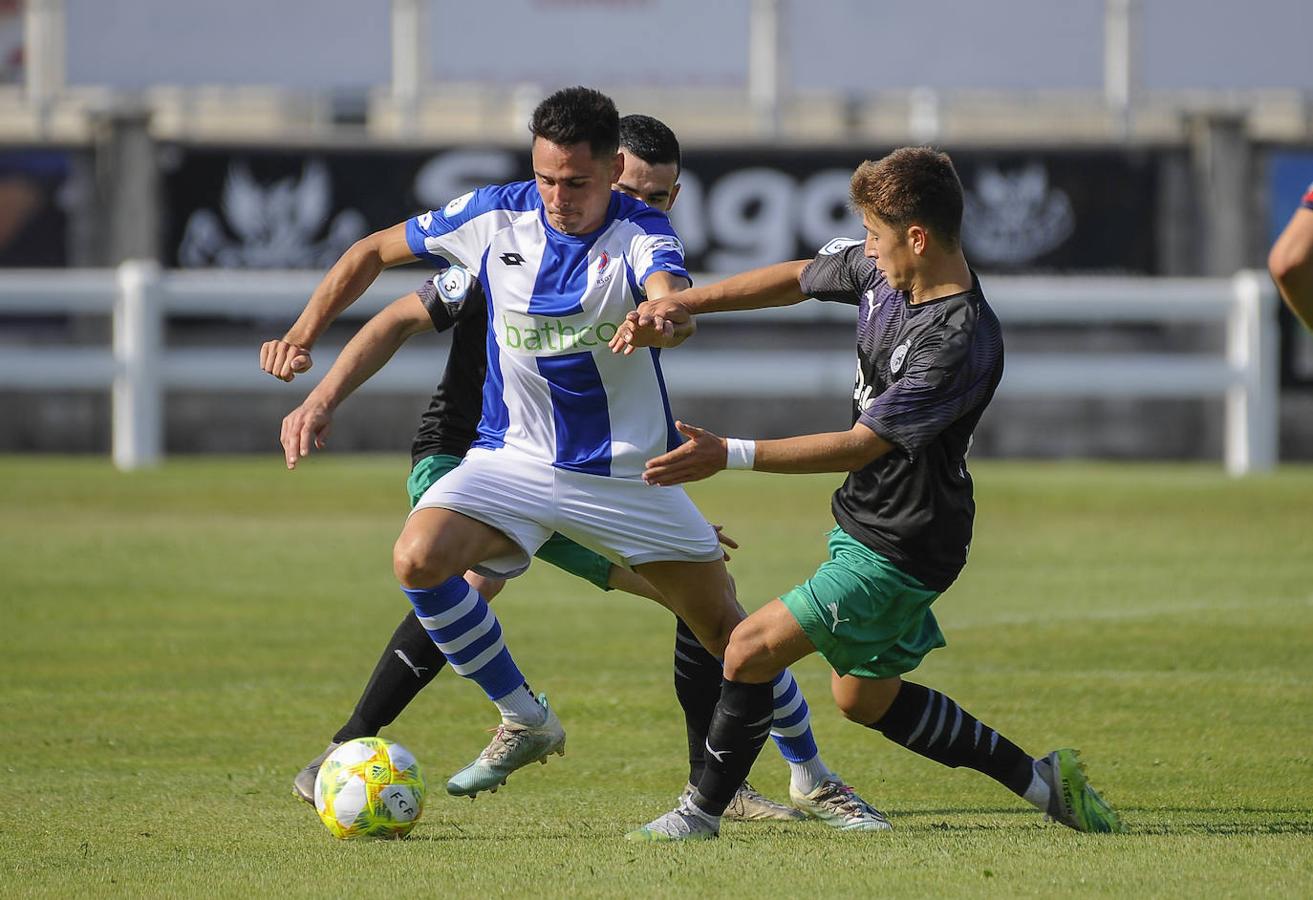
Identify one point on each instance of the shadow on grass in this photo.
(1228, 828)
(1294, 820)
(1226, 820)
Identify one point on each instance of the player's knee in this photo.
(727, 625)
(851, 708)
(416, 565)
(864, 701)
(748, 656)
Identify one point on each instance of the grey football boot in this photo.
(303, 785)
(512, 747)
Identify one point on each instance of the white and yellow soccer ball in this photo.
(369, 788)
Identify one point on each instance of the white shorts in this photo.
(526, 499)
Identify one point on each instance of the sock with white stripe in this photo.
(697, 686)
(933, 725)
(409, 662)
(792, 732)
(467, 632)
(738, 731)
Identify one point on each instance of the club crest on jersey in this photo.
(899, 354)
(603, 264)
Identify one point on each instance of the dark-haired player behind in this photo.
(411, 660)
(930, 354)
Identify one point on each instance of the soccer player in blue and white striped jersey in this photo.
(564, 432)
(542, 416)
(453, 303)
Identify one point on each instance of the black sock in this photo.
(697, 685)
(738, 730)
(410, 661)
(933, 725)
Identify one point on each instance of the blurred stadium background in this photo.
(176, 175)
(1125, 158)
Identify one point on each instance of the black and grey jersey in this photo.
(925, 374)
(455, 302)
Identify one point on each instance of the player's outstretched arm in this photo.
(669, 330)
(349, 277)
(704, 454)
(1291, 265)
(762, 288)
(306, 427)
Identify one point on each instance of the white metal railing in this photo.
(139, 368)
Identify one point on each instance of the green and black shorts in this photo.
(866, 616)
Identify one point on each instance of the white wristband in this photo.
(739, 453)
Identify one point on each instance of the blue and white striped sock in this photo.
(792, 732)
(467, 632)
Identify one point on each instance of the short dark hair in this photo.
(578, 115)
(912, 186)
(651, 140)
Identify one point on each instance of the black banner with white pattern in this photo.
(1040, 211)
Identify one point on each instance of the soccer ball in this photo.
(369, 788)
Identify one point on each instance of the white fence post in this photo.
(409, 42)
(766, 64)
(1252, 404)
(138, 394)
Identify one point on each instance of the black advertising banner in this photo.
(1041, 211)
(1081, 211)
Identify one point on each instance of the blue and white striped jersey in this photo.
(553, 389)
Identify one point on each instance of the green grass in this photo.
(175, 644)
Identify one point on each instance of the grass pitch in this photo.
(175, 644)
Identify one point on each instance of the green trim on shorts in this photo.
(559, 550)
(866, 616)
(426, 472)
(576, 559)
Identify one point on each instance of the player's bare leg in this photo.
(435, 548)
(405, 667)
(629, 581)
(768, 642)
(436, 544)
(700, 593)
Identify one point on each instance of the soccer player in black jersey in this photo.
(930, 355)
(411, 660)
